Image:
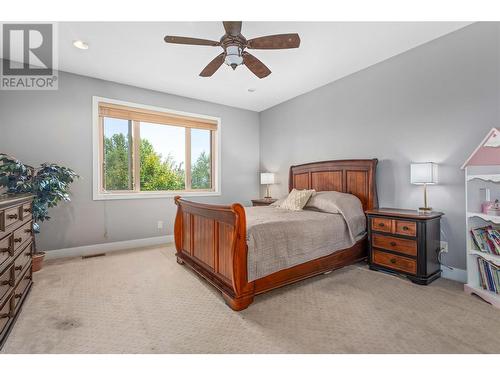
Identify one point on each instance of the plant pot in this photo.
(37, 261)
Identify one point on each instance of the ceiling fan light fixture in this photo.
(233, 56)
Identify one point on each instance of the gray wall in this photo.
(433, 103)
(56, 126)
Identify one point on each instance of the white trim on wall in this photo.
(108, 247)
(455, 274)
(96, 167)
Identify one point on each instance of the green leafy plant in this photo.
(49, 184)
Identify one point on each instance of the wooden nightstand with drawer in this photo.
(405, 242)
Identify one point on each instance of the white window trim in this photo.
(97, 166)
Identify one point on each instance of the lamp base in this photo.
(424, 210)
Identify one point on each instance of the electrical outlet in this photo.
(160, 225)
(444, 246)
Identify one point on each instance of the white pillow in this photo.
(296, 200)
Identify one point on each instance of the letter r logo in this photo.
(27, 49)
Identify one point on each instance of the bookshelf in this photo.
(482, 171)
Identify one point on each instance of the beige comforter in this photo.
(278, 239)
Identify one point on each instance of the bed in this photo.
(214, 240)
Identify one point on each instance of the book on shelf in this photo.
(489, 275)
(486, 239)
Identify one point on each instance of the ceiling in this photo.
(134, 53)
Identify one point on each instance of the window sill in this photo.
(154, 195)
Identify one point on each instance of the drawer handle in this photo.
(27, 231)
(392, 243)
(4, 250)
(3, 316)
(18, 295)
(18, 239)
(27, 210)
(6, 282)
(27, 277)
(393, 260)
(406, 228)
(18, 268)
(12, 216)
(28, 254)
(381, 225)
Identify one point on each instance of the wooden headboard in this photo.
(355, 177)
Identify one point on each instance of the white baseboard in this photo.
(107, 247)
(456, 274)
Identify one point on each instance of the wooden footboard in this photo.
(211, 239)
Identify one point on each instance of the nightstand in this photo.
(263, 201)
(405, 242)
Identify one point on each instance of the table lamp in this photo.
(424, 174)
(267, 179)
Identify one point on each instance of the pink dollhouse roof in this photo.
(488, 151)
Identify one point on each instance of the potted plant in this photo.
(49, 184)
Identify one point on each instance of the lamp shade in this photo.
(267, 178)
(424, 173)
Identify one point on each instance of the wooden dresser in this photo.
(405, 242)
(16, 249)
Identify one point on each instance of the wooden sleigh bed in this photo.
(211, 239)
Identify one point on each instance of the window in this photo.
(141, 151)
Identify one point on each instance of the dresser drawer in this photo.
(12, 215)
(381, 225)
(4, 315)
(395, 262)
(406, 228)
(22, 288)
(22, 234)
(22, 262)
(26, 212)
(6, 251)
(6, 283)
(400, 245)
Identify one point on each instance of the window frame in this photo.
(99, 193)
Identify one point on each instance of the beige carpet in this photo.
(143, 302)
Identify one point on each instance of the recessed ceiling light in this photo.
(80, 44)
(251, 89)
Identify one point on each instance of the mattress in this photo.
(278, 239)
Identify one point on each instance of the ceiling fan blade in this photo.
(255, 65)
(192, 41)
(280, 41)
(212, 66)
(233, 28)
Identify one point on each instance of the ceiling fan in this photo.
(234, 45)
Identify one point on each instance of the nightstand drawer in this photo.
(406, 228)
(380, 224)
(395, 262)
(400, 245)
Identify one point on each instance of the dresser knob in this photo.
(393, 261)
(18, 239)
(381, 225)
(406, 228)
(393, 243)
(12, 216)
